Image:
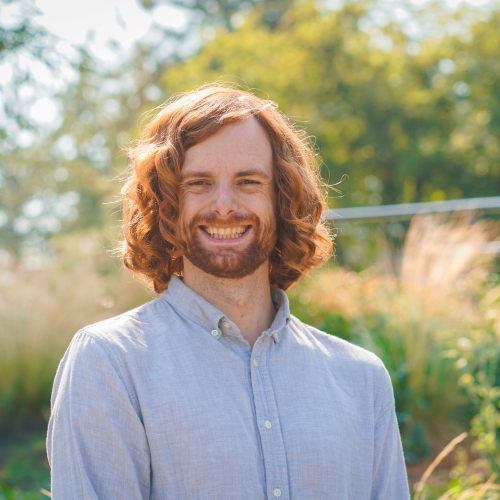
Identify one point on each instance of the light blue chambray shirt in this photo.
(170, 402)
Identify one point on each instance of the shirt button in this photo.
(225, 324)
(267, 425)
(215, 333)
(277, 492)
(255, 363)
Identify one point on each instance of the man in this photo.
(213, 390)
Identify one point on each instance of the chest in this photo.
(259, 419)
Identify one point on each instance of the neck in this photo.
(246, 301)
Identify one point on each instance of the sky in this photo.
(121, 20)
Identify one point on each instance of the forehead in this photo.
(240, 145)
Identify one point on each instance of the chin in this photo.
(226, 267)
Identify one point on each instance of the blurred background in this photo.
(403, 100)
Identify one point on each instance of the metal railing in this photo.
(408, 210)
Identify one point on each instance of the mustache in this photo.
(213, 219)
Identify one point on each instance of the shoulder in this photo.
(334, 346)
(346, 359)
(124, 342)
(136, 327)
(117, 346)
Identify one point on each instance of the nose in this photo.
(224, 202)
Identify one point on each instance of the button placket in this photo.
(268, 422)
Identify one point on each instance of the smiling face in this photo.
(227, 201)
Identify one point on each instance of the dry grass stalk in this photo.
(445, 452)
(439, 254)
(449, 493)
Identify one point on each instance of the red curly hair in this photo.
(152, 247)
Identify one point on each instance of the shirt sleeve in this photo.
(390, 479)
(96, 443)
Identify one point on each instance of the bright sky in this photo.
(119, 19)
(122, 20)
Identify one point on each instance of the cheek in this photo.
(185, 214)
(271, 204)
(265, 199)
(189, 204)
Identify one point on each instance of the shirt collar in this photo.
(282, 318)
(195, 307)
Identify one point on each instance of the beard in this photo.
(227, 262)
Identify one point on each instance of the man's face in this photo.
(227, 201)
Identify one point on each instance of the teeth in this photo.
(224, 233)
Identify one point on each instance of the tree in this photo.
(405, 120)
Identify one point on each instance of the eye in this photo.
(249, 182)
(198, 183)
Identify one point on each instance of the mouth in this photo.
(225, 233)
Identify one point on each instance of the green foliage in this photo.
(23, 44)
(486, 424)
(322, 318)
(481, 374)
(66, 180)
(406, 121)
(225, 12)
(24, 469)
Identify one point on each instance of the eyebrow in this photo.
(242, 173)
(188, 175)
(251, 173)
